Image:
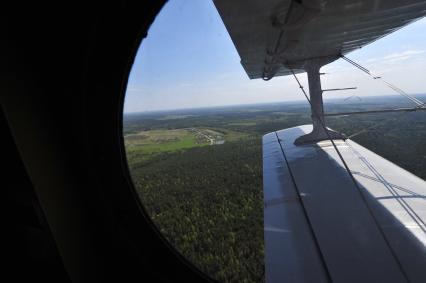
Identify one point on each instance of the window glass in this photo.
(193, 127)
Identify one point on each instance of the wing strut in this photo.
(319, 131)
(327, 132)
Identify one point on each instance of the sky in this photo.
(188, 60)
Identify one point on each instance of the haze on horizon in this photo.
(188, 60)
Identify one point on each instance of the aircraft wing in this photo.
(320, 227)
(322, 224)
(272, 36)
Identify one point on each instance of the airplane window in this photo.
(194, 121)
(196, 165)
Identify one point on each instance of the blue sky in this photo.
(188, 60)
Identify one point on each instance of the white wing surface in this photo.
(273, 35)
(320, 227)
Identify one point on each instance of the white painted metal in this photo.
(318, 133)
(371, 233)
(291, 254)
(273, 35)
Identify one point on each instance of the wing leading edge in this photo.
(320, 227)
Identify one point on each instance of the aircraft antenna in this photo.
(419, 103)
(371, 127)
(322, 124)
(337, 89)
(403, 110)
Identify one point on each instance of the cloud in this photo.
(399, 56)
(403, 55)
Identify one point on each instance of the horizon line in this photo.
(252, 104)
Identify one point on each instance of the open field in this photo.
(144, 145)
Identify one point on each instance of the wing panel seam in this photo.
(317, 245)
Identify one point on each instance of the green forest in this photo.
(198, 172)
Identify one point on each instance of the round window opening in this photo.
(213, 81)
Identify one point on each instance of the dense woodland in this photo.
(207, 200)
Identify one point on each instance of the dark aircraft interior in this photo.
(71, 212)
